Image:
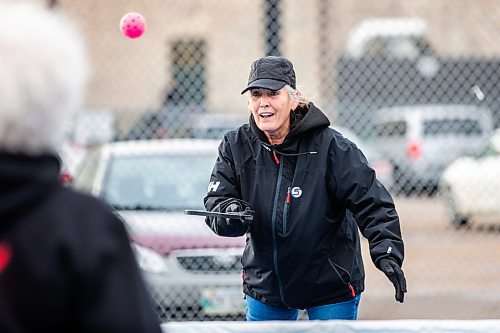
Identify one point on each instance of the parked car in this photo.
(382, 166)
(191, 272)
(471, 187)
(394, 38)
(169, 121)
(214, 125)
(421, 140)
(87, 129)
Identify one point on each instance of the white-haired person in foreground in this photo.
(66, 264)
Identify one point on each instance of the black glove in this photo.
(396, 276)
(231, 227)
(234, 208)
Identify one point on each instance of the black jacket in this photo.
(65, 259)
(308, 194)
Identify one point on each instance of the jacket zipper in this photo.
(285, 211)
(273, 227)
(348, 283)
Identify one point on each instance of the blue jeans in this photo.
(258, 311)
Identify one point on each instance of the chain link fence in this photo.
(416, 84)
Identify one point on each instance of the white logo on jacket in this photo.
(296, 192)
(213, 186)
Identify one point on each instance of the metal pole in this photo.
(273, 27)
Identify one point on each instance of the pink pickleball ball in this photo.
(133, 25)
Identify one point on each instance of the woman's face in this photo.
(271, 111)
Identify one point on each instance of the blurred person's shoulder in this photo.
(80, 210)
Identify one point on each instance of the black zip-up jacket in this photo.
(308, 194)
(66, 264)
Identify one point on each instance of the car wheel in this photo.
(457, 220)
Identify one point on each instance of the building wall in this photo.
(132, 76)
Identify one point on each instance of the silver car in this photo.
(421, 140)
(191, 272)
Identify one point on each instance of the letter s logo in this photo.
(296, 192)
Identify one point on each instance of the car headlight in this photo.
(149, 260)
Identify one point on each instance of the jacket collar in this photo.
(302, 120)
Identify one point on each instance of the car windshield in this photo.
(171, 183)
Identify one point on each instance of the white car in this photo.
(191, 272)
(471, 187)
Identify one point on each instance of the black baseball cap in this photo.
(271, 73)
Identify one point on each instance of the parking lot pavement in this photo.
(451, 274)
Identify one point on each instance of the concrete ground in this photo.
(451, 274)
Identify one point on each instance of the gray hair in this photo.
(44, 71)
(295, 94)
